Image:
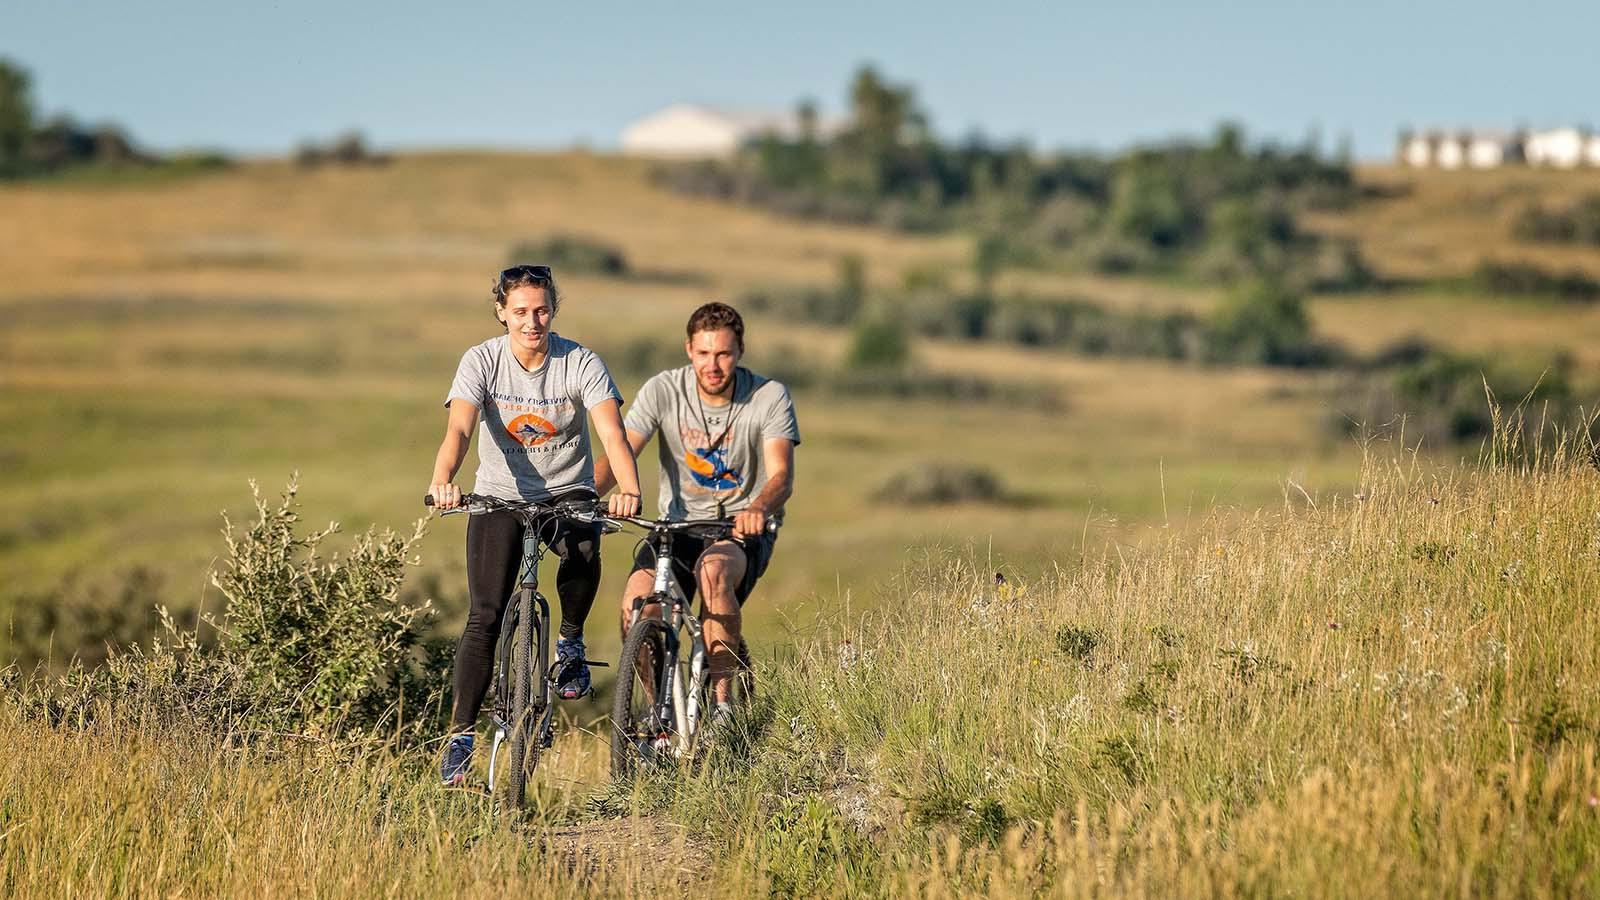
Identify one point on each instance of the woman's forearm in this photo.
(624, 470)
(451, 452)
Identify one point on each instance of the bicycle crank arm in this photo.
(596, 662)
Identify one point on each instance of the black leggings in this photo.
(494, 559)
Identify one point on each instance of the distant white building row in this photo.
(688, 130)
(1555, 148)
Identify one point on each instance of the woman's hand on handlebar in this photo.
(445, 495)
(621, 504)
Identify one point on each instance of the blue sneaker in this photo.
(457, 761)
(572, 681)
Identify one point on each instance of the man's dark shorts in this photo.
(686, 550)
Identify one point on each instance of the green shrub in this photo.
(1577, 223)
(1265, 323)
(1076, 642)
(1445, 398)
(880, 344)
(940, 483)
(802, 304)
(305, 644)
(347, 149)
(1513, 279)
(570, 253)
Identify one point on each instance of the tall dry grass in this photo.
(1383, 693)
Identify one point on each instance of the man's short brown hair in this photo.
(715, 317)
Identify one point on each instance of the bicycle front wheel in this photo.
(527, 706)
(637, 728)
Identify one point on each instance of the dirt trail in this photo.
(600, 848)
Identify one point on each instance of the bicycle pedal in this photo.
(547, 739)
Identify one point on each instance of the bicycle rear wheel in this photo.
(636, 727)
(527, 705)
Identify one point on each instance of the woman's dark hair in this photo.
(526, 276)
(715, 317)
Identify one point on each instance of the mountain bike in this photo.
(521, 706)
(661, 689)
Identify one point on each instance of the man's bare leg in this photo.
(719, 571)
(640, 584)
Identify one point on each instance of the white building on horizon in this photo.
(1566, 147)
(689, 130)
(1558, 148)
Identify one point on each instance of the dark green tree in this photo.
(879, 111)
(852, 291)
(988, 257)
(1262, 322)
(16, 118)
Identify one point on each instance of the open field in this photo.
(161, 344)
(1236, 654)
(1387, 693)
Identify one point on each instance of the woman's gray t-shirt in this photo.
(711, 459)
(533, 431)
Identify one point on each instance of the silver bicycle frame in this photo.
(686, 699)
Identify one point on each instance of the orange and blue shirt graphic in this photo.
(709, 468)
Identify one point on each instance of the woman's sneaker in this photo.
(572, 681)
(457, 761)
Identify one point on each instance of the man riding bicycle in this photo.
(727, 449)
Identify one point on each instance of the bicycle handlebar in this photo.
(577, 509)
(684, 524)
(589, 510)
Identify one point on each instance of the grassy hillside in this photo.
(1381, 691)
(163, 343)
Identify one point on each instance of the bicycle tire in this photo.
(631, 698)
(524, 744)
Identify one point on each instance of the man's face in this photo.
(714, 355)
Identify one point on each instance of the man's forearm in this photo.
(775, 492)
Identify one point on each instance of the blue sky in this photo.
(262, 76)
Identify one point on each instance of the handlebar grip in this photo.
(427, 499)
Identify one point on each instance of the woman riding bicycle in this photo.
(532, 388)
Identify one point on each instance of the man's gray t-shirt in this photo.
(711, 455)
(533, 431)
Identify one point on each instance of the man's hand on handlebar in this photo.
(445, 495)
(622, 504)
(749, 522)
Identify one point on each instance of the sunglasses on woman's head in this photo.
(541, 273)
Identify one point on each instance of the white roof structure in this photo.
(687, 130)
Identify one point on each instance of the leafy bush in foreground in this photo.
(305, 643)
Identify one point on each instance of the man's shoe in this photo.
(457, 761)
(572, 681)
(716, 724)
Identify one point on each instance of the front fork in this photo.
(677, 702)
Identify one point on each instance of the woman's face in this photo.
(526, 314)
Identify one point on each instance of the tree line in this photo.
(1216, 209)
(32, 145)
